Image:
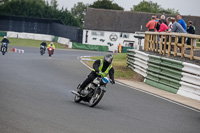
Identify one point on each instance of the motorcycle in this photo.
(50, 51)
(3, 48)
(93, 93)
(42, 50)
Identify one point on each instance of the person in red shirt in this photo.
(151, 25)
(163, 26)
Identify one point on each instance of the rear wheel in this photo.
(96, 98)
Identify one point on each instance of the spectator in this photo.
(176, 27)
(163, 19)
(157, 18)
(181, 22)
(163, 26)
(151, 25)
(169, 23)
(190, 30)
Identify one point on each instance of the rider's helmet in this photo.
(108, 59)
(5, 37)
(51, 43)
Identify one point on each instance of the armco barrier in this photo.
(166, 74)
(90, 47)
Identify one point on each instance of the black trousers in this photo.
(90, 78)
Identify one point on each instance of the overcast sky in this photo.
(185, 7)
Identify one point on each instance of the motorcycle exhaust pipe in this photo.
(75, 93)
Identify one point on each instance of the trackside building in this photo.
(112, 27)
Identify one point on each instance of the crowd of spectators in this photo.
(170, 25)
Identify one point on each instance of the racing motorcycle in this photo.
(93, 93)
(3, 48)
(42, 50)
(50, 51)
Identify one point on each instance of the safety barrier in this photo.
(166, 74)
(33, 36)
(168, 43)
(90, 47)
(18, 50)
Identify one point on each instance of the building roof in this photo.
(125, 21)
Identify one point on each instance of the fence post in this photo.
(192, 48)
(175, 46)
(161, 43)
(165, 43)
(157, 38)
(147, 41)
(182, 46)
(169, 46)
(154, 42)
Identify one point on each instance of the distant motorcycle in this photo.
(93, 93)
(50, 51)
(42, 50)
(3, 48)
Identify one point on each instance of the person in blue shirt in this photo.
(181, 22)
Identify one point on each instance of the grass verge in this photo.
(120, 66)
(31, 43)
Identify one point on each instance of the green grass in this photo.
(30, 43)
(120, 66)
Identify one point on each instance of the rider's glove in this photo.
(112, 81)
(97, 71)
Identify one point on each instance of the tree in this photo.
(4, 1)
(106, 4)
(38, 9)
(79, 11)
(149, 6)
(54, 4)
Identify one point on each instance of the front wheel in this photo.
(49, 55)
(77, 99)
(96, 98)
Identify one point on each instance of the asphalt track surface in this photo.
(35, 98)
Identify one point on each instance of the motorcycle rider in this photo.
(5, 40)
(43, 44)
(51, 45)
(103, 66)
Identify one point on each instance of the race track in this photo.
(35, 98)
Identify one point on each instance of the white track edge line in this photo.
(180, 104)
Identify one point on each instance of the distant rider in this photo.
(43, 44)
(51, 45)
(103, 66)
(5, 40)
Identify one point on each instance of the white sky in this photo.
(189, 7)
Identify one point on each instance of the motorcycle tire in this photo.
(77, 99)
(49, 55)
(3, 51)
(92, 102)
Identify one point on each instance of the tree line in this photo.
(73, 17)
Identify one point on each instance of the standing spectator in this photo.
(176, 27)
(163, 26)
(181, 22)
(169, 23)
(163, 19)
(190, 30)
(151, 25)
